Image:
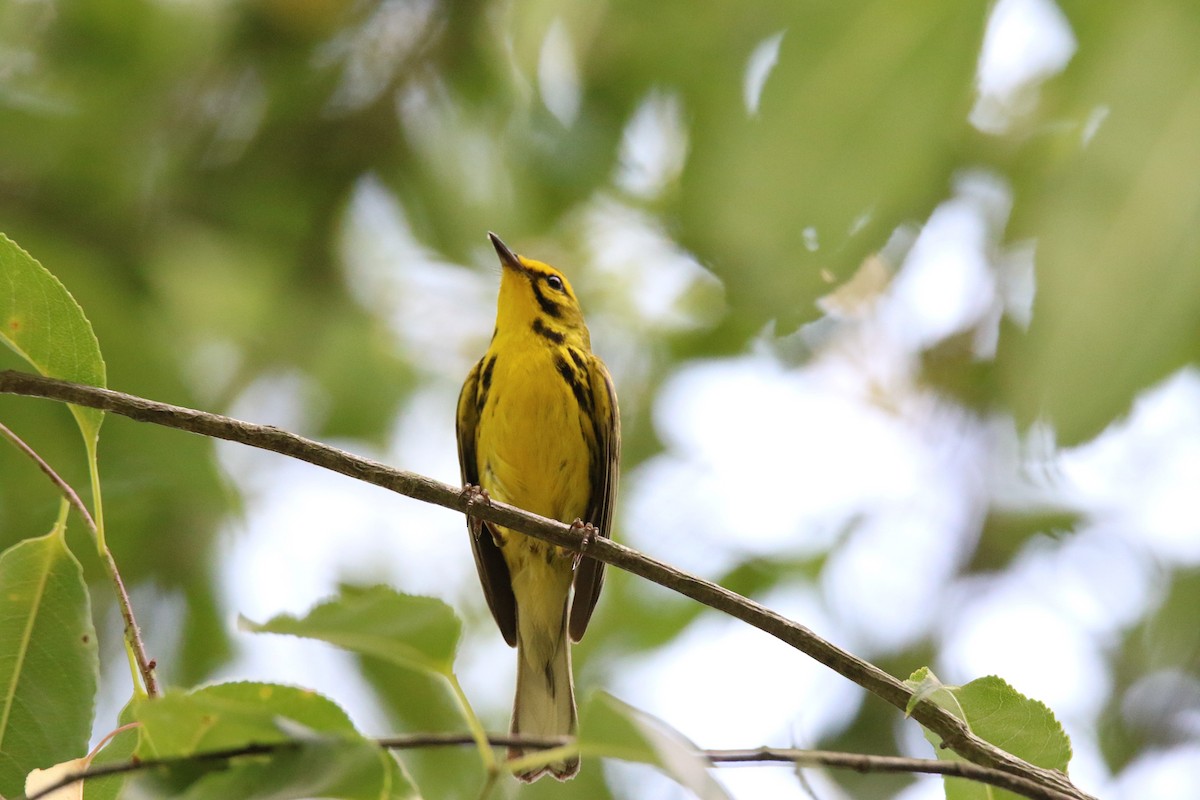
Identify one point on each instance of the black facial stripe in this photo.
(548, 333)
(549, 307)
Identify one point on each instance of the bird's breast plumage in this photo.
(535, 445)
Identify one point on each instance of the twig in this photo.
(133, 633)
(803, 758)
(871, 763)
(952, 731)
(410, 742)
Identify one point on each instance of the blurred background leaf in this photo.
(277, 210)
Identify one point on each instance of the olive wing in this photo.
(604, 471)
(489, 561)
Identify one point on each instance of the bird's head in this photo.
(535, 296)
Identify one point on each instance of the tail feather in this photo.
(545, 704)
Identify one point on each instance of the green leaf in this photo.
(924, 685)
(1114, 216)
(48, 662)
(613, 729)
(834, 146)
(317, 768)
(118, 750)
(324, 755)
(42, 323)
(232, 714)
(414, 632)
(997, 713)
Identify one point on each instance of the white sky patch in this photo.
(287, 400)
(558, 75)
(758, 68)
(1026, 42)
(1013, 628)
(956, 276)
(1169, 772)
(945, 285)
(779, 434)
(441, 313)
(776, 460)
(1062, 602)
(643, 270)
(1140, 475)
(654, 146)
(1089, 770)
(794, 699)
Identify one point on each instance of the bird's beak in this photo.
(507, 257)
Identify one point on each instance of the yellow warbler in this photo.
(538, 428)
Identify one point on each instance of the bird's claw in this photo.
(589, 533)
(475, 495)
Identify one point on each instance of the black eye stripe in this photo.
(548, 306)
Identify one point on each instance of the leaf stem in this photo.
(139, 664)
(478, 733)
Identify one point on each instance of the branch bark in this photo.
(954, 733)
(801, 758)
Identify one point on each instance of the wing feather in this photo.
(489, 561)
(606, 461)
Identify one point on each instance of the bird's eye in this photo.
(554, 282)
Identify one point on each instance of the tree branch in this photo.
(1017, 784)
(801, 758)
(405, 742)
(133, 633)
(953, 732)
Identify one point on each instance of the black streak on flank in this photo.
(548, 306)
(568, 374)
(546, 332)
(577, 357)
(485, 384)
(565, 370)
(486, 378)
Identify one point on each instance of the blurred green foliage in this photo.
(184, 169)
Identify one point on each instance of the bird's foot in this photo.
(476, 495)
(589, 533)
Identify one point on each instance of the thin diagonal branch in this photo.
(952, 731)
(801, 758)
(871, 763)
(133, 633)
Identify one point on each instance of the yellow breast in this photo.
(534, 445)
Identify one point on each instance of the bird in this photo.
(538, 427)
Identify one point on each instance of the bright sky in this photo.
(869, 454)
